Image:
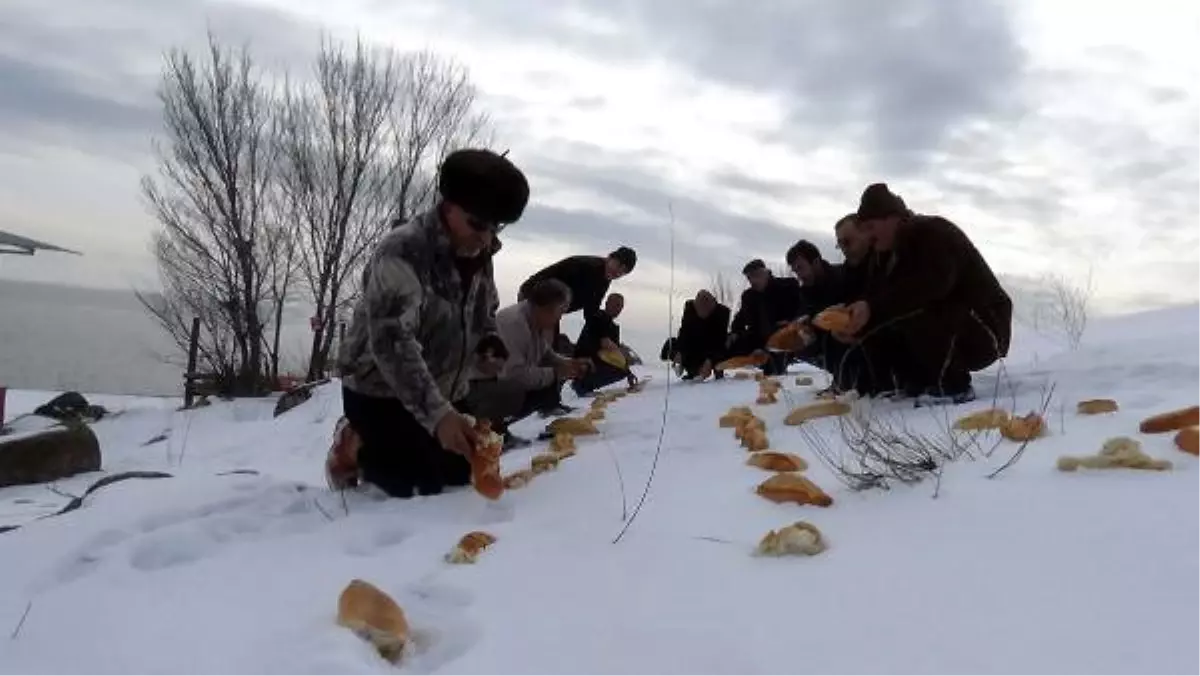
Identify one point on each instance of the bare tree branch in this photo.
(210, 197)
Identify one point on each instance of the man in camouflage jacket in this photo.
(427, 311)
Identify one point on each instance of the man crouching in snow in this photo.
(531, 377)
(428, 308)
(936, 312)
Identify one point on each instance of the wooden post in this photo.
(189, 377)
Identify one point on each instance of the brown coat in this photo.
(934, 267)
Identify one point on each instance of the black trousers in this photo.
(935, 350)
(505, 402)
(397, 454)
(602, 374)
(690, 360)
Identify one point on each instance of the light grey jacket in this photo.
(531, 356)
(414, 330)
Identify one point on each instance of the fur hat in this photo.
(486, 185)
(880, 202)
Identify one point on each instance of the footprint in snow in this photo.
(371, 542)
(182, 536)
(441, 630)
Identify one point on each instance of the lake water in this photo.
(94, 340)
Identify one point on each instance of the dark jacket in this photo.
(584, 275)
(598, 326)
(703, 338)
(934, 266)
(761, 311)
(830, 289)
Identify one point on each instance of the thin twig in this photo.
(21, 623)
(317, 504)
(620, 477)
(1021, 449)
(666, 396)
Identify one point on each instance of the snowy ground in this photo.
(1034, 571)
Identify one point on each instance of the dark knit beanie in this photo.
(756, 264)
(880, 202)
(626, 257)
(486, 185)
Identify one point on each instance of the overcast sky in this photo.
(1062, 136)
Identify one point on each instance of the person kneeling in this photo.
(599, 343)
(428, 301)
(508, 390)
(703, 332)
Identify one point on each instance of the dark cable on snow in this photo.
(667, 395)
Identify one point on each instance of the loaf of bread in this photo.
(835, 319)
(371, 614)
(1171, 421)
(792, 487)
(775, 461)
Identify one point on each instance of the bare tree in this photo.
(723, 289)
(359, 150)
(210, 197)
(1066, 309)
(434, 114)
(337, 176)
(1057, 307)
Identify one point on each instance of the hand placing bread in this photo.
(835, 319)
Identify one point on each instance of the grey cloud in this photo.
(698, 215)
(94, 78)
(737, 180)
(38, 96)
(899, 75)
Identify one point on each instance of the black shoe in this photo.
(939, 397)
(719, 375)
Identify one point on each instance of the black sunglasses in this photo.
(480, 225)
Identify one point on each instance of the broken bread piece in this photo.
(1025, 428)
(820, 409)
(775, 461)
(791, 338)
(792, 487)
(766, 399)
(734, 416)
(1188, 440)
(562, 443)
(800, 538)
(469, 547)
(519, 479)
(543, 462)
(742, 362)
(988, 419)
(572, 426)
(371, 614)
(835, 319)
(614, 358)
(755, 439)
(485, 462)
(1171, 421)
(747, 424)
(1095, 406)
(1118, 452)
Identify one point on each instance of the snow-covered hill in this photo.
(1033, 571)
